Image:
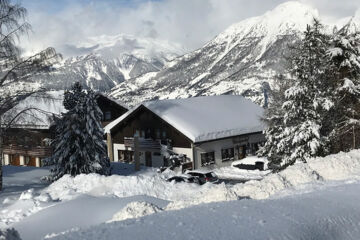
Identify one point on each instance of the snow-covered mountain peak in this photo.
(146, 49)
(104, 61)
(289, 16)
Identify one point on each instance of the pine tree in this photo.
(78, 145)
(296, 131)
(73, 97)
(345, 66)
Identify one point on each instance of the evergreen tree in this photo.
(78, 145)
(296, 131)
(73, 97)
(345, 66)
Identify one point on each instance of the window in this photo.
(148, 133)
(27, 160)
(137, 133)
(163, 134)
(240, 152)
(125, 156)
(107, 115)
(157, 133)
(207, 158)
(227, 154)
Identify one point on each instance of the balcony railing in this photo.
(36, 151)
(144, 143)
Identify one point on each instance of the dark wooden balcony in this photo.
(35, 151)
(144, 143)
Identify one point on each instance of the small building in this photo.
(28, 141)
(209, 131)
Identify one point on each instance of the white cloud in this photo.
(188, 22)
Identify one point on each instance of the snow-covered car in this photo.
(204, 176)
(184, 178)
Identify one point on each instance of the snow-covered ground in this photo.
(331, 213)
(320, 197)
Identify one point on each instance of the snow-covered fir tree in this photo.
(296, 131)
(78, 145)
(74, 96)
(345, 65)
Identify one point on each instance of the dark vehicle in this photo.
(204, 177)
(187, 179)
(257, 166)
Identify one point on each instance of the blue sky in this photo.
(190, 23)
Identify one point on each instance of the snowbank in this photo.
(341, 166)
(331, 214)
(135, 210)
(149, 183)
(81, 212)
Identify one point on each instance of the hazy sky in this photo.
(191, 23)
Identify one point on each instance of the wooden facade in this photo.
(110, 108)
(149, 126)
(27, 145)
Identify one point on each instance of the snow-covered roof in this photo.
(41, 108)
(205, 118)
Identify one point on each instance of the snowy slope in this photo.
(242, 60)
(330, 214)
(102, 62)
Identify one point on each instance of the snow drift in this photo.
(135, 210)
(341, 166)
(148, 183)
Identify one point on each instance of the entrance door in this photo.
(240, 151)
(15, 160)
(31, 161)
(148, 160)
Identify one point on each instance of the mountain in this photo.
(243, 59)
(104, 61)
